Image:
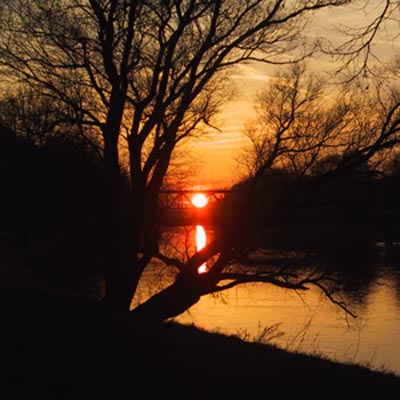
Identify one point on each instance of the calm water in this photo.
(308, 322)
(303, 321)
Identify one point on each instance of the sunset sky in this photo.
(216, 156)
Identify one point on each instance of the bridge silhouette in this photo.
(183, 198)
(177, 208)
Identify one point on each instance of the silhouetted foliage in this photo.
(52, 189)
(134, 79)
(340, 220)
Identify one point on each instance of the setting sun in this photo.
(199, 200)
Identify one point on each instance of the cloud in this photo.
(222, 142)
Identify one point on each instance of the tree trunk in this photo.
(118, 263)
(188, 287)
(170, 302)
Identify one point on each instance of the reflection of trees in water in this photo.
(350, 282)
(179, 242)
(357, 283)
(341, 259)
(396, 280)
(393, 271)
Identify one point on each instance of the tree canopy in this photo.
(133, 79)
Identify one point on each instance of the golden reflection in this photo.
(201, 241)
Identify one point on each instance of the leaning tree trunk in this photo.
(170, 302)
(189, 285)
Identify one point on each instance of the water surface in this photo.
(304, 321)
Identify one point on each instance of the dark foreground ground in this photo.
(50, 350)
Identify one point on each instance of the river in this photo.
(304, 321)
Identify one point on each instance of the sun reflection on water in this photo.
(201, 241)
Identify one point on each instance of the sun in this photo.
(199, 200)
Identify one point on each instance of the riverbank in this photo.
(72, 351)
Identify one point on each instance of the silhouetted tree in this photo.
(315, 168)
(366, 54)
(306, 152)
(144, 76)
(365, 49)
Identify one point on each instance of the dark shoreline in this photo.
(53, 349)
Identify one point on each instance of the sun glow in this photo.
(199, 200)
(201, 241)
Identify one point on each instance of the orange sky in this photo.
(218, 153)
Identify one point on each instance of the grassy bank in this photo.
(59, 351)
